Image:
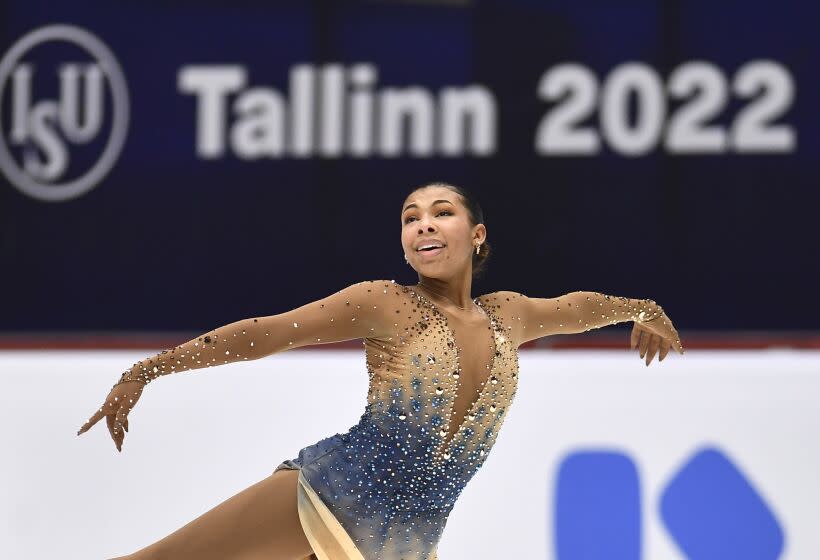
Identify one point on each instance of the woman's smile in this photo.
(430, 253)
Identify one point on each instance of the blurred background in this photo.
(167, 168)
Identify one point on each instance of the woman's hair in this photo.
(476, 216)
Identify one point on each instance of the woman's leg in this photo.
(259, 523)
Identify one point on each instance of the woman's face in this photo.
(435, 215)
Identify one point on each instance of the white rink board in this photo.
(201, 436)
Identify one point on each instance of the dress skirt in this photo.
(325, 534)
(327, 537)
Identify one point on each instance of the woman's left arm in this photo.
(581, 311)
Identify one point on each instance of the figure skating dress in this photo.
(383, 490)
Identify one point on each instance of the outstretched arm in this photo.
(357, 311)
(582, 311)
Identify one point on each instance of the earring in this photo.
(477, 247)
(406, 259)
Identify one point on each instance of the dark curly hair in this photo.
(476, 215)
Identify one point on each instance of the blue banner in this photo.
(173, 166)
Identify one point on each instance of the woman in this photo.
(443, 372)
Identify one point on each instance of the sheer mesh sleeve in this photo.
(357, 311)
(575, 312)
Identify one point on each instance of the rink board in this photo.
(672, 461)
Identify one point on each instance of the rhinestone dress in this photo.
(391, 480)
(436, 401)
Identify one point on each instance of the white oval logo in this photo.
(45, 130)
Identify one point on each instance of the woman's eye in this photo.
(408, 218)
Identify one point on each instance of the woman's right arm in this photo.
(357, 311)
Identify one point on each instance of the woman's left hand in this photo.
(654, 335)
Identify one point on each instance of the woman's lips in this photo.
(431, 252)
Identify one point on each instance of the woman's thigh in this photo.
(259, 523)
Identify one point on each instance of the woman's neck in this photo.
(458, 296)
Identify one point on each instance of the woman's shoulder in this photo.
(384, 286)
(503, 299)
(506, 307)
(381, 289)
(381, 283)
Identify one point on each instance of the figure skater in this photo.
(443, 371)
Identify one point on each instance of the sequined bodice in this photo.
(400, 469)
(418, 372)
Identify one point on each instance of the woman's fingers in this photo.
(654, 343)
(91, 421)
(109, 419)
(671, 333)
(665, 345)
(644, 345)
(678, 345)
(119, 425)
(636, 336)
(651, 343)
(120, 435)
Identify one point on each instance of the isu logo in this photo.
(86, 119)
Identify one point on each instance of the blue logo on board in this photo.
(709, 508)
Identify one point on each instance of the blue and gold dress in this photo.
(384, 489)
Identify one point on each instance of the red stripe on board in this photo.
(700, 340)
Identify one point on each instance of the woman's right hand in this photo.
(119, 402)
